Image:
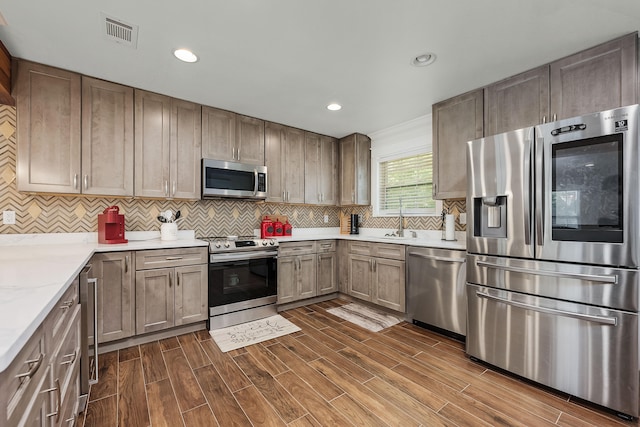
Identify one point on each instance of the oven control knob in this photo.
(264, 243)
(272, 242)
(226, 244)
(218, 245)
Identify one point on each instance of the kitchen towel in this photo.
(368, 318)
(238, 336)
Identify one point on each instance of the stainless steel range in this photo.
(242, 279)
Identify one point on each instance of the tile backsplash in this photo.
(68, 214)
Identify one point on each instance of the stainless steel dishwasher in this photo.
(436, 293)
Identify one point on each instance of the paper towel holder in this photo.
(445, 214)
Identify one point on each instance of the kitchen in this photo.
(39, 213)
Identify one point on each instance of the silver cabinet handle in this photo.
(75, 181)
(58, 399)
(126, 263)
(438, 258)
(178, 279)
(173, 258)
(238, 153)
(353, 197)
(588, 317)
(166, 187)
(73, 357)
(287, 196)
(35, 365)
(66, 305)
(375, 265)
(555, 117)
(284, 196)
(233, 153)
(589, 277)
(86, 182)
(174, 186)
(544, 119)
(94, 282)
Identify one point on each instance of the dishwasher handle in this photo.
(439, 258)
(580, 276)
(580, 316)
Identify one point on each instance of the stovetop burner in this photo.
(218, 244)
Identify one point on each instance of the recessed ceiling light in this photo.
(334, 107)
(423, 60)
(185, 55)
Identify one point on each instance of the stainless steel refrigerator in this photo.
(553, 255)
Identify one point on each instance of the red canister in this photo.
(278, 228)
(287, 229)
(266, 228)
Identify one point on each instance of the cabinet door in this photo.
(250, 140)
(191, 294)
(360, 275)
(348, 170)
(389, 283)
(48, 129)
(363, 170)
(327, 277)
(342, 249)
(154, 300)
(327, 174)
(107, 138)
(115, 295)
(152, 147)
(218, 134)
(294, 166)
(455, 121)
(287, 285)
(186, 147)
(274, 137)
(517, 102)
(597, 79)
(312, 169)
(306, 276)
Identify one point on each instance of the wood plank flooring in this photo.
(331, 373)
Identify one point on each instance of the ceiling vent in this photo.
(119, 31)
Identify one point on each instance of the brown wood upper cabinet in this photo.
(596, 79)
(167, 147)
(320, 169)
(355, 170)
(285, 161)
(234, 137)
(48, 131)
(455, 121)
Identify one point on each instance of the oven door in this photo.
(240, 277)
(587, 189)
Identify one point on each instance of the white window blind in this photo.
(407, 179)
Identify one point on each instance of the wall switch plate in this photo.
(8, 217)
(463, 218)
(326, 219)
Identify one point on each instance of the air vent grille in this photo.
(119, 31)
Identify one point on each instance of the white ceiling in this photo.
(285, 60)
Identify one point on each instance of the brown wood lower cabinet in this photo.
(377, 274)
(173, 294)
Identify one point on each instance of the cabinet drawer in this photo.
(163, 258)
(361, 248)
(297, 248)
(326, 246)
(383, 250)
(66, 358)
(21, 379)
(58, 318)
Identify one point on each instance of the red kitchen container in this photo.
(266, 228)
(287, 229)
(278, 228)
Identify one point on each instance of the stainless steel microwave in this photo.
(238, 180)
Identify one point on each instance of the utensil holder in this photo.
(169, 231)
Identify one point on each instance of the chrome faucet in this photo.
(401, 228)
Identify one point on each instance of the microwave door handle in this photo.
(255, 182)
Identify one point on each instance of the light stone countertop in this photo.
(36, 269)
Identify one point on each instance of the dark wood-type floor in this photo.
(332, 373)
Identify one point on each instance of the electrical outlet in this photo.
(326, 219)
(463, 218)
(8, 217)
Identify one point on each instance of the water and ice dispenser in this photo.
(490, 216)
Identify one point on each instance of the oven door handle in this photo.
(580, 316)
(220, 258)
(589, 277)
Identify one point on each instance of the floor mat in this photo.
(238, 336)
(369, 318)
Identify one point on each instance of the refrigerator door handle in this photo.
(588, 277)
(527, 200)
(588, 317)
(540, 192)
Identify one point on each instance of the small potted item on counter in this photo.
(287, 229)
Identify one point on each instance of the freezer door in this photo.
(499, 199)
(587, 204)
(588, 352)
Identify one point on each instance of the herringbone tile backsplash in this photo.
(70, 214)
